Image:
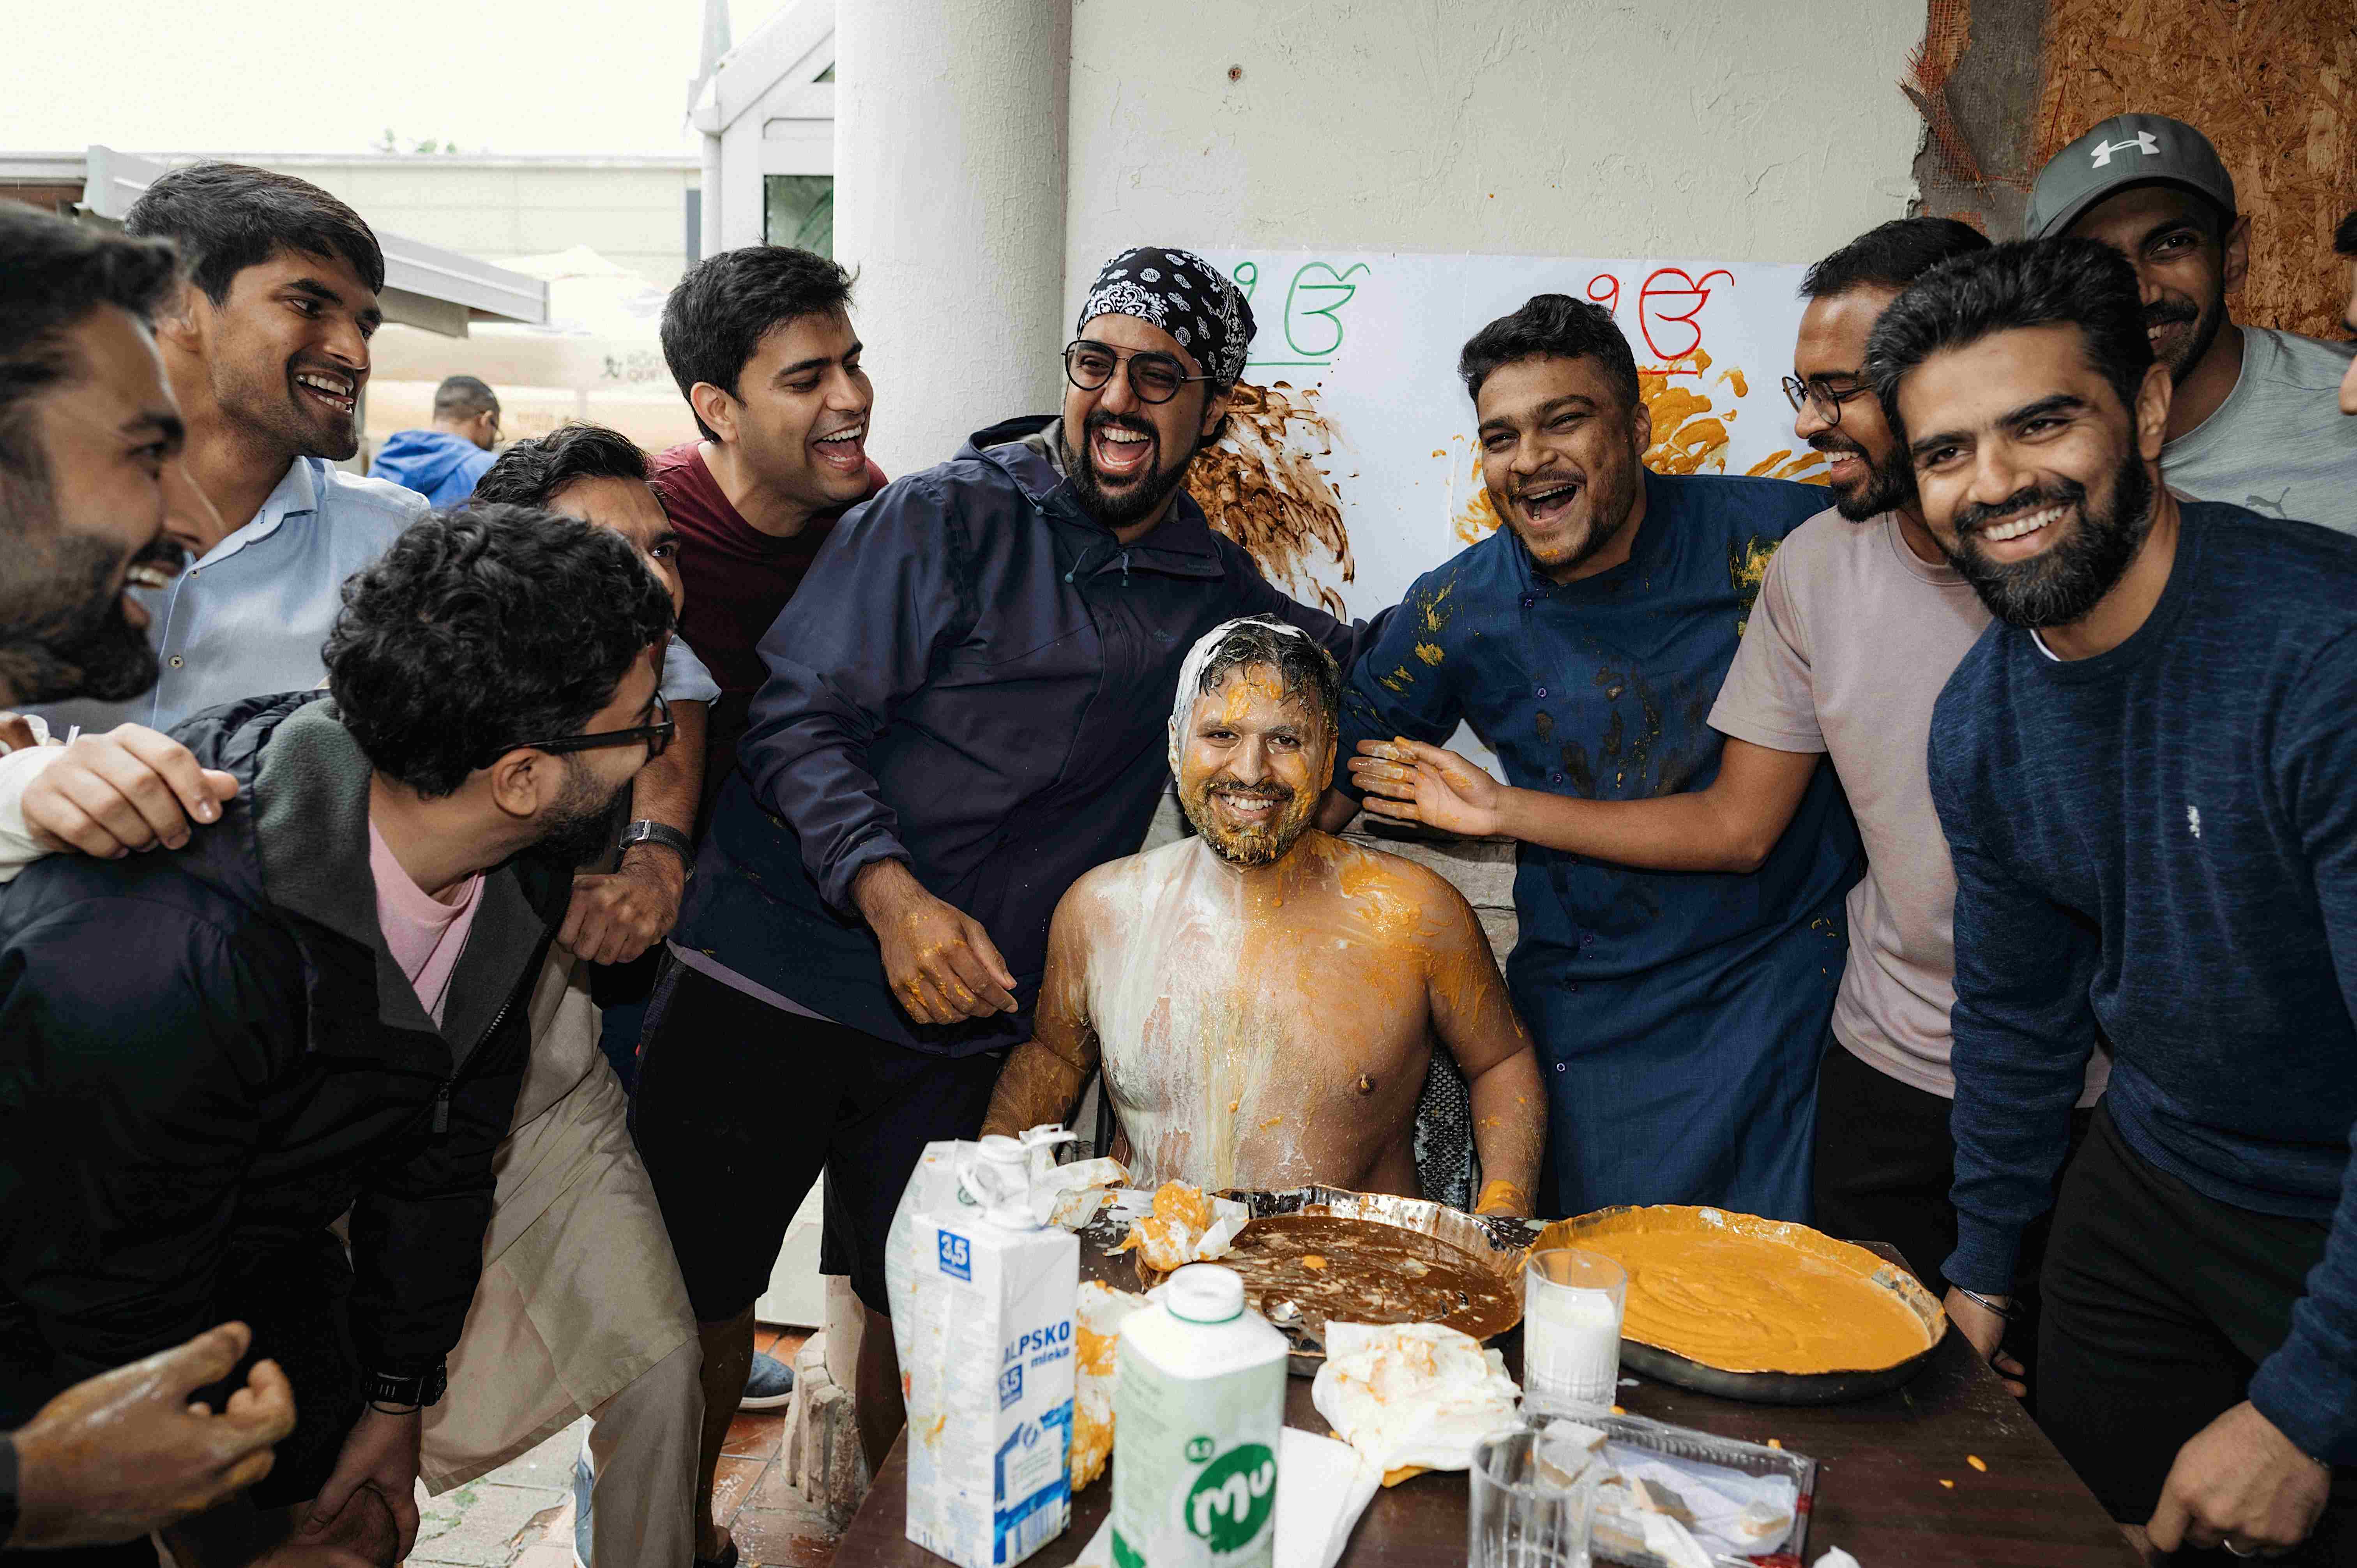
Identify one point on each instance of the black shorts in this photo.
(741, 1105)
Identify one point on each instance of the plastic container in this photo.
(1198, 1423)
(988, 1356)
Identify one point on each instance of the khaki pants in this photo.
(580, 1311)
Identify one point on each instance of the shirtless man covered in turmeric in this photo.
(1263, 997)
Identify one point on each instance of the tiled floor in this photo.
(520, 1516)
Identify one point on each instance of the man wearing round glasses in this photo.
(319, 1007)
(964, 711)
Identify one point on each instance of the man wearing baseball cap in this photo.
(2251, 417)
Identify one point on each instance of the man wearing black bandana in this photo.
(964, 711)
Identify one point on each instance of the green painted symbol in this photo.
(1309, 299)
(1234, 1498)
(1199, 1449)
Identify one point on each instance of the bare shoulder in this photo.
(1114, 890)
(1361, 871)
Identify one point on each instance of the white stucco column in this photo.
(949, 200)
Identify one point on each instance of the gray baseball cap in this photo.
(2125, 150)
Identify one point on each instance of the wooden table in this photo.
(1880, 1491)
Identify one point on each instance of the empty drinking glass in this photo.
(1572, 1302)
(1531, 1501)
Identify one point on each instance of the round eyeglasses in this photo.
(1823, 393)
(1155, 378)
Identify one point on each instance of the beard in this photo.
(275, 404)
(582, 826)
(62, 630)
(2206, 319)
(1890, 484)
(1135, 502)
(1263, 844)
(2065, 582)
(1610, 498)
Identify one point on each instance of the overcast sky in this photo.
(510, 76)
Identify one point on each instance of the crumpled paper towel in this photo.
(1096, 1324)
(1082, 1189)
(1179, 1224)
(1322, 1487)
(1412, 1394)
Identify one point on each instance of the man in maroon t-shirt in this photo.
(760, 343)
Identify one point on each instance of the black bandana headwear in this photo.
(1185, 296)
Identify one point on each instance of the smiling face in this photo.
(2183, 270)
(101, 514)
(1868, 473)
(799, 417)
(1561, 456)
(1127, 457)
(1252, 766)
(288, 353)
(2034, 478)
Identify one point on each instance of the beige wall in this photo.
(630, 210)
(1728, 129)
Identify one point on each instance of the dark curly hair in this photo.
(1551, 327)
(532, 471)
(2059, 281)
(484, 627)
(718, 313)
(1304, 669)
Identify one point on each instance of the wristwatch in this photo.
(647, 831)
(420, 1389)
(7, 1488)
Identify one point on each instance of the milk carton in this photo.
(986, 1349)
(1198, 1422)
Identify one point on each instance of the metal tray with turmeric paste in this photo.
(1758, 1309)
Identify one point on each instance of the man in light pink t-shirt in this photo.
(425, 932)
(1860, 623)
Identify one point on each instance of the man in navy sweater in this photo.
(2147, 774)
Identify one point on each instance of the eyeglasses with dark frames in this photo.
(1155, 378)
(1825, 399)
(656, 737)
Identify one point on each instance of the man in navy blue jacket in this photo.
(964, 711)
(2147, 774)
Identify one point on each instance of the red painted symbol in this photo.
(1689, 294)
(1608, 295)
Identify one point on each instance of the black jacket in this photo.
(975, 678)
(208, 1057)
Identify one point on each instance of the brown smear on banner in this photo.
(1262, 486)
(1689, 435)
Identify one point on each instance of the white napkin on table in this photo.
(1412, 1393)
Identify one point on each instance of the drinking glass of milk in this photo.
(1572, 1302)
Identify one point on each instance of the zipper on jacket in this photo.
(442, 1095)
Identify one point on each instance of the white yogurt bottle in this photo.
(1198, 1422)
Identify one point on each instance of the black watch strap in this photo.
(644, 831)
(419, 1389)
(7, 1488)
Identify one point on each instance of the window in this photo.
(799, 210)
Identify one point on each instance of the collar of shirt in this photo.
(296, 492)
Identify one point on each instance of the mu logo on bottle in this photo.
(1233, 1499)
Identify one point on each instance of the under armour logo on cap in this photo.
(2142, 142)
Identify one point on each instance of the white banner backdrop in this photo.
(1350, 468)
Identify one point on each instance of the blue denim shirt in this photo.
(250, 615)
(1679, 1014)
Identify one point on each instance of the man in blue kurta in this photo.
(1678, 1014)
